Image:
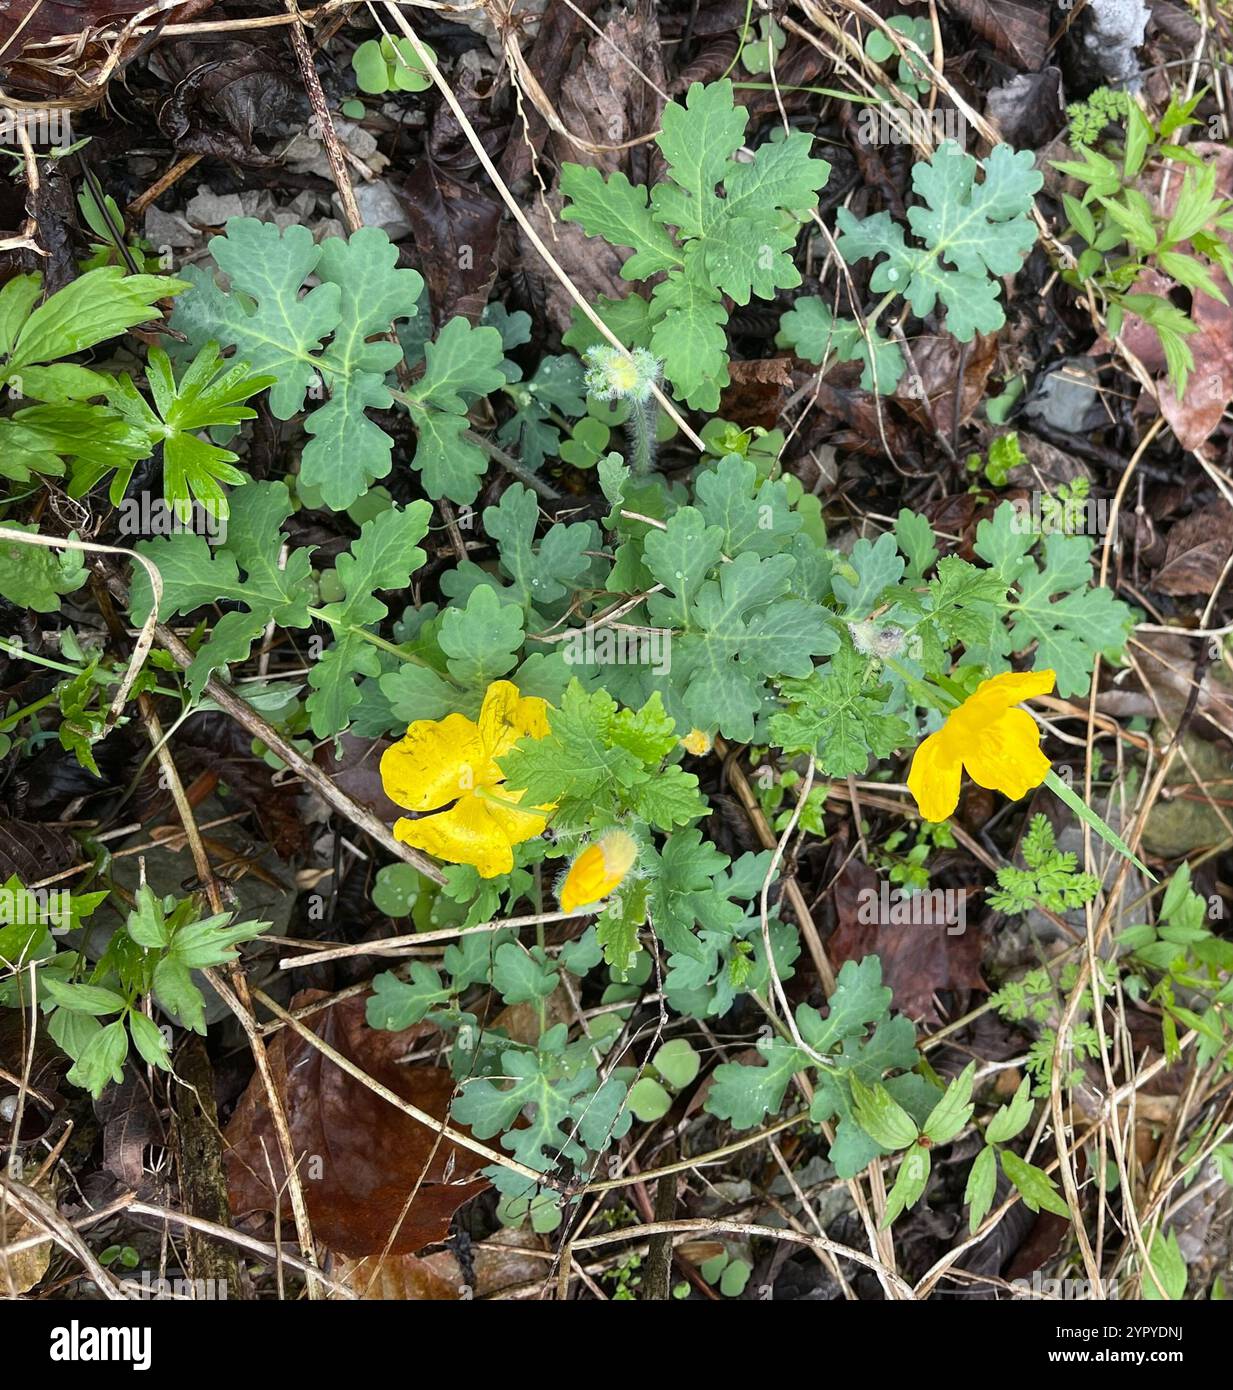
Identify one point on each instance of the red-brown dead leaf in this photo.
(955, 515)
(917, 960)
(457, 229)
(1198, 549)
(1017, 29)
(438, 1277)
(939, 360)
(861, 411)
(758, 391)
(606, 99)
(360, 1157)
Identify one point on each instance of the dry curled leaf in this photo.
(918, 959)
(34, 852)
(940, 360)
(493, 1271)
(23, 1269)
(223, 100)
(456, 229)
(606, 101)
(50, 48)
(1017, 29)
(757, 392)
(1198, 550)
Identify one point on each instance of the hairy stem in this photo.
(643, 416)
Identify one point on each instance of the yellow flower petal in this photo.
(998, 744)
(507, 716)
(934, 776)
(1006, 756)
(437, 761)
(599, 869)
(472, 832)
(454, 759)
(1011, 688)
(516, 824)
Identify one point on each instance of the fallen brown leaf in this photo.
(360, 1158)
(605, 99)
(918, 960)
(439, 1277)
(757, 392)
(939, 360)
(457, 229)
(23, 1269)
(1017, 29)
(1198, 549)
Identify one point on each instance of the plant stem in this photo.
(99, 677)
(322, 616)
(643, 416)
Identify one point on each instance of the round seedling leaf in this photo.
(370, 505)
(733, 1280)
(371, 70)
(677, 1063)
(396, 888)
(877, 45)
(330, 587)
(586, 447)
(545, 1213)
(407, 73)
(605, 1028)
(648, 1099)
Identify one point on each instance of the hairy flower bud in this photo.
(872, 640)
(616, 375)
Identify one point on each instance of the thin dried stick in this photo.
(425, 59)
(397, 945)
(325, 122)
(39, 1212)
(239, 1004)
(705, 1226)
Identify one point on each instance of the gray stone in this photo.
(209, 209)
(1114, 31)
(380, 208)
(305, 155)
(258, 203)
(1068, 398)
(169, 229)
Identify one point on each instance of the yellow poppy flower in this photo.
(599, 869)
(998, 744)
(454, 759)
(697, 742)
